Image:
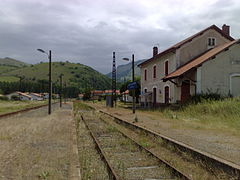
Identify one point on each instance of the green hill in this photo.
(8, 64)
(5, 68)
(12, 62)
(76, 75)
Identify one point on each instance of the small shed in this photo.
(36, 96)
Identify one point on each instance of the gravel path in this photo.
(222, 144)
(34, 145)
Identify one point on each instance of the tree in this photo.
(87, 94)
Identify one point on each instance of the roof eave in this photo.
(170, 50)
(200, 64)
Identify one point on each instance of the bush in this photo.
(4, 98)
(205, 97)
(15, 98)
(77, 76)
(87, 94)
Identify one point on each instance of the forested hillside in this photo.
(35, 77)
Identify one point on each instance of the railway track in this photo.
(215, 166)
(124, 157)
(23, 110)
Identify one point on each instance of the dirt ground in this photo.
(223, 144)
(35, 145)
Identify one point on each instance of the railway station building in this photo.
(207, 62)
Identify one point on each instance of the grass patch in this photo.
(144, 142)
(12, 106)
(9, 79)
(78, 105)
(127, 143)
(111, 129)
(223, 114)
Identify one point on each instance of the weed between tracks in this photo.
(91, 164)
(124, 156)
(195, 168)
(182, 160)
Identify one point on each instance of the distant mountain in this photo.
(12, 62)
(77, 75)
(125, 71)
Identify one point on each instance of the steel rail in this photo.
(112, 173)
(218, 162)
(176, 171)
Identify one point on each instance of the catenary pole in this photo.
(133, 79)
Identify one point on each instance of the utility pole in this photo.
(133, 79)
(50, 83)
(60, 92)
(114, 82)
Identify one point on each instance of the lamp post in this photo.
(50, 79)
(133, 79)
(60, 92)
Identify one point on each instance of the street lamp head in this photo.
(41, 50)
(125, 59)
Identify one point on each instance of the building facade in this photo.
(208, 61)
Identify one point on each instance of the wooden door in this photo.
(166, 95)
(185, 91)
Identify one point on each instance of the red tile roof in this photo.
(189, 39)
(199, 60)
(110, 91)
(97, 92)
(23, 94)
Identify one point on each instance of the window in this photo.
(211, 41)
(154, 71)
(145, 74)
(145, 90)
(166, 68)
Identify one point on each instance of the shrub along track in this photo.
(196, 164)
(124, 157)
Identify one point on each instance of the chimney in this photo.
(155, 51)
(226, 29)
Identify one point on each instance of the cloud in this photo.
(88, 32)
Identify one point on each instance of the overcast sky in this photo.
(87, 32)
